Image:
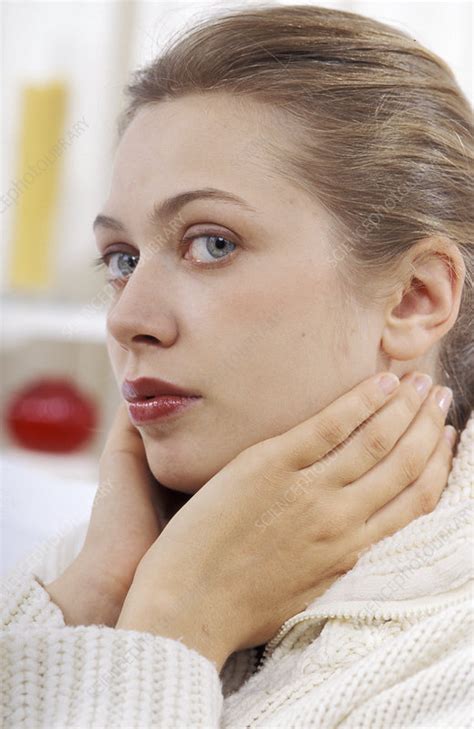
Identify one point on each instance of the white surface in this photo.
(43, 319)
(39, 501)
(79, 42)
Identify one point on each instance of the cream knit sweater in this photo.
(389, 644)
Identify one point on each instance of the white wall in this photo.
(84, 43)
(444, 27)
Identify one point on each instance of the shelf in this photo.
(80, 466)
(61, 321)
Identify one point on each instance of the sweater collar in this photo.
(420, 569)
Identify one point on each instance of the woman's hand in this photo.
(279, 523)
(129, 511)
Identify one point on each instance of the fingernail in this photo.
(422, 384)
(443, 397)
(450, 434)
(388, 382)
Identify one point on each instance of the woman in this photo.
(279, 547)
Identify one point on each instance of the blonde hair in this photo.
(379, 133)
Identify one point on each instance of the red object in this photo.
(51, 414)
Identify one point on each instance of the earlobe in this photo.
(428, 306)
(405, 340)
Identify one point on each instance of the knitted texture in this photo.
(101, 677)
(388, 646)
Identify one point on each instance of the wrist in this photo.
(84, 597)
(168, 614)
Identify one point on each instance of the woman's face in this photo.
(258, 325)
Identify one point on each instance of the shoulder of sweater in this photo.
(25, 601)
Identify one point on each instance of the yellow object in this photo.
(35, 189)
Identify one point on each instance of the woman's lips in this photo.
(160, 406)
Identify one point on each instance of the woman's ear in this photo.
(422, 312)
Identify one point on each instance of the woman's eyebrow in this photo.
(166, 209)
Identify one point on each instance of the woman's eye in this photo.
(123, 265)
(216, 246)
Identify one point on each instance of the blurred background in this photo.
(64, 67)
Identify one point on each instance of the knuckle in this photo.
(376, 443)
(269, 450)
(368, 403)
(410, 462)
(273, 459)
(426, 499)
(330, 430)
(328, 530)
(256, 456)
(347, 562)
(333, 525)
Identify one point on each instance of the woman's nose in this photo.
(139, 312)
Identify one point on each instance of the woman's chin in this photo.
(184, 464)
(181, 487)
(172, 475)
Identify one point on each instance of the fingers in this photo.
(120, 422)
(123, 435)
(420, 498)
(308, 442)
(406, 462)
(372, 442)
